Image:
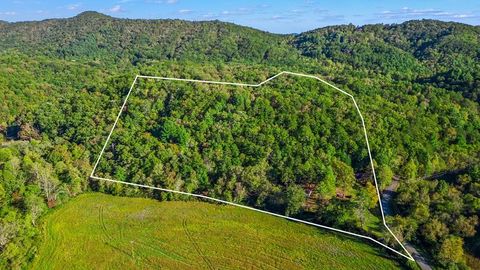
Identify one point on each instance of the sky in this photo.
(279, 16)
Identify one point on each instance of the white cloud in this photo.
(184, 11)
(73, 6)
(260, 10)
(463, 16)
(228, 14)
(210, 15)
(170, 2)
(116, 9)
(278, 17)
(410, 13)
(238, 11)
(8, 13)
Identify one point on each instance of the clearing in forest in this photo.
(292, 146)
(98, 231)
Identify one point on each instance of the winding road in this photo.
(387, 196)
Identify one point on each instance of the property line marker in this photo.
(408, 256)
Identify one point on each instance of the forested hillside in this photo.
(95, 36)
(430, 52)
(417, 84)
(440, 53)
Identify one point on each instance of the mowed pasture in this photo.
(98, 231)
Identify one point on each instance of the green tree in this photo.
(465, 227)
(421, 212)
(451, 251)
(345, 176)
(295, 198)
(385, 175)
(410, 170)
(434, 231)
(171, 132)
(326, 188)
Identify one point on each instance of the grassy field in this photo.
(97, 231)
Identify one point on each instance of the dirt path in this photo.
(195, 245)
(387, 196)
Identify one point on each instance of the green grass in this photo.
(98, 231)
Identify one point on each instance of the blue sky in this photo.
(275, 16)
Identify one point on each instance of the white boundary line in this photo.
(408, 256)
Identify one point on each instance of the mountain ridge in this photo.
(426, 50)
(96, 14)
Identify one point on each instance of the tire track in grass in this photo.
(277, 257)
(102, 223)
(255, 264)
(150, 242)
(53, 241)
(110, 240)
(174, 257)
(249, 248)
(195, 245)
(177, 252)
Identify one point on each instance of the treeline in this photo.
(51, 115)
(35, 176)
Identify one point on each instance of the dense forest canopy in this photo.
(417, 84)
(262, 146)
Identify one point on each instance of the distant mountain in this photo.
(444, 53)
(97, 36)
(425, 40)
